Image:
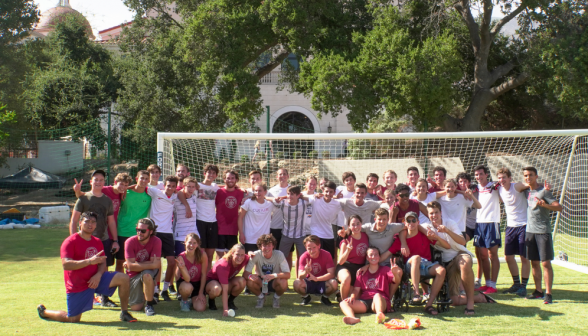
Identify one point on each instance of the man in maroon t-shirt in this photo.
(438, 181)
(85, 273)
(405, 205)
(143, 261)
(418, 259)
(316, 272)
(228, 200)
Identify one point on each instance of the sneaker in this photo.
(338, 296)
(211, 304)
(149, 311)
(548, 299)
(305, 300)
(535, 295)
(232, 306)
(156, 297)
(107, 302)
(513, 289)
(326, 301)
(482, 289)
(490, 290)
(477, 284)
(276, 303)
(522, 291)
(260, 302)
(165, 296)
(185, 306)
(126, 317)
(172, 289)
(41, 310)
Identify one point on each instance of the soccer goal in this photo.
(561, 157)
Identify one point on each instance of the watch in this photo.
(115, 241)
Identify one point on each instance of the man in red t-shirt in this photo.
(316, 272)
(418, 259)
(143, 261)
(85, 273)
(228, 200)
(405, 205)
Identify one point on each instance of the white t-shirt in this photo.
(277, 221)
(183, 225)
(448, 254)
(488, 197)
(159, 186)
(323, 214)
(257, 219)
(455, 209)
(162, 209)
(515, 206)
(430, 197)
(205, 202)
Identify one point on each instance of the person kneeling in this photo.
(222, 279)
(85, 273)
(316, 272)
(191, 274)
(274, 269)
(370, 293)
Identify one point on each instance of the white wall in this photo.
(52, 158)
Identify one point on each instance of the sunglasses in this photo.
(403, 195)
(411, 220)
(141, 230)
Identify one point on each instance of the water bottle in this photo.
(264, 286)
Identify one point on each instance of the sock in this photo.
(151, 303)
(524, 283)
(491, 284)
(165, 286)
(261, 296)
(231, 298)
(105, 298)
(156, 290)
(477, 279)
(276, 296)
(516, 279)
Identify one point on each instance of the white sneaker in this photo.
(276, 303)
(260, 302)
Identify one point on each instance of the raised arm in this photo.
(182, 199)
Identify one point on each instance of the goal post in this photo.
(560, 156)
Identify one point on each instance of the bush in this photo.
(280, 155)
(297, 155)
(260, 156)
(326, 155)
(313, 154)
(245, 158)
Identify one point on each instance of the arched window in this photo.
(293, 122)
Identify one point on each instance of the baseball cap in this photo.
(99, 171)
(411, 214)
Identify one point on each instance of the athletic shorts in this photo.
(277, 233)
(136, 295)
(226, 242)
(168, 244)
(328, 245)
(195, 284)
(315, 287)
(539, 246)
(287, 245)
(107, 248)
(250, 248)
(514, 238)
(368, 305)
(470, 232)
(487, 235)
(424, 267)
(120, 255)
(337, 238)
(81, 302)
(208, 234)
(179, 247)
(351, 268)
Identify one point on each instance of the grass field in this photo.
(31, 273)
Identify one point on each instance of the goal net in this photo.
(561, 158)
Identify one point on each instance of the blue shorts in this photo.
(80, 302)
(179, 247)
(487, 235)
(515, 241)
(315, 287)
(424, 268)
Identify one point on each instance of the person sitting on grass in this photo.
(85, 273)
(352, 256)
(418, 259)
(272, 268)
(191, 270)
(222, 279)
(370, 292)
(316, 272)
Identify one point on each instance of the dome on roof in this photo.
(52, 16)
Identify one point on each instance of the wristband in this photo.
(249, 277)
(275, 275)
(115, 241)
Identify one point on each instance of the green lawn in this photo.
(31, 274)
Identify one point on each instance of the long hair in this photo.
(197, 252)
(229, 255)
(150, 223)
(348, 232)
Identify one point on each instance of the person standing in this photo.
(279, 190)
(228, 201)
(184, 225)
(206, 216)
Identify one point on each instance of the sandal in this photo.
(429, 310)
(489, 299)
(41, 310)
(469, 312)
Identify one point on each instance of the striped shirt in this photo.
(294, 216)
(182, 225)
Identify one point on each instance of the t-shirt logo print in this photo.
(372, 283)
(231, 202)
(91, 251)
(142, 255)
(193, 272)
(316, 268)
(361, 249)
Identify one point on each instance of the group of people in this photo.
(347, 240)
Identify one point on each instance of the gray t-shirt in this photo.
(471, 213)
(382, 240)
(364, 211)
(102, 206)
(276, 264)
(538, 219)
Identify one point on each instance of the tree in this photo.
(6, 119)
(17, 19)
